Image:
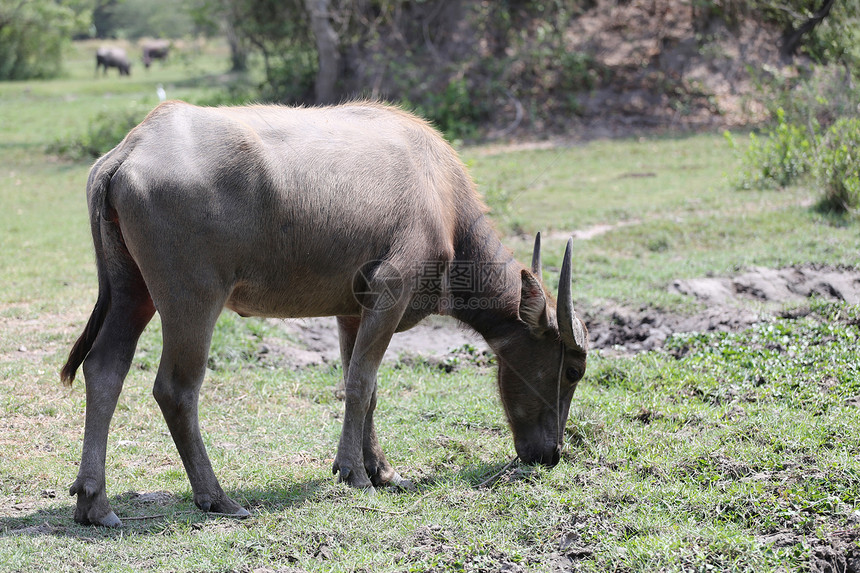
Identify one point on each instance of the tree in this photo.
(328, 50)
(792, 38)
(280, 31)
(33, 34)
(135, 19)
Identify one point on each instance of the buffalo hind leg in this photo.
(187, 332)
(105, 369)
(379, 470)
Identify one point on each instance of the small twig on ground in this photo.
(496, 475)
(142, 517)
(388, 511)
(160, 515)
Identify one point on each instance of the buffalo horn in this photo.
(536, 270)
(569, 326)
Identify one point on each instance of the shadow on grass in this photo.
(481, 475)
(154, 512)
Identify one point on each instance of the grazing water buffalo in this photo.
(155, 50)
(113, 58)
(360, 211)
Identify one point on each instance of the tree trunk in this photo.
(792, 37)
(328, 53)
(238, 53)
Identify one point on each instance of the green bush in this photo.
(779, 159)
(821, 94)
(788, 153)
(838, 170)
(456, 111)
(104, 132)
(33, 35)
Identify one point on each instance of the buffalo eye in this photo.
(572, 374)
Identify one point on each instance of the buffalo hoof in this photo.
(92, 507)
(400, 483)
(240, 513)
(352, 479)
(110, 520)
(220, 505)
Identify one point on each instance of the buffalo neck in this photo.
(484, 282)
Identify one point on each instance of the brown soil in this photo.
(313, 341)
(732, 303)
(672, 65)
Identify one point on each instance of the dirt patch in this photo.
(589, 232)
(646, 328)
(776, 285)
(314, 341)
(672, 65)
(838, 552)
(733, 303)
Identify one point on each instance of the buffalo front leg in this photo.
(359, 460)
(177, 389)
(376, 466)
(347, 330)
(105, 369)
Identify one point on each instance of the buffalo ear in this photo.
(533, 310)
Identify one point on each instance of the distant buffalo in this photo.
(113, 58)
(155, 50)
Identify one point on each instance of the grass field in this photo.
(732, 451)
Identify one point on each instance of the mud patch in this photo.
(314, 341)
(733, 304)
(776, 285)
(636, 330)
(838, 552)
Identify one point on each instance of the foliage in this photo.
(790, 152)
(834, 39)
(133, 19)
(837, 38)
(816, 97)
(106, 129)
(839, 166)
(778, 159)
(456, 111)
(33, 34)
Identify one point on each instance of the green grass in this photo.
(722, 452)
(673, 215)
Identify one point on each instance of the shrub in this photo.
(818, 96)
(788, 153)
(838, 171)
(33, 35)
(780, 158)
(104, 132)
(456, 110)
